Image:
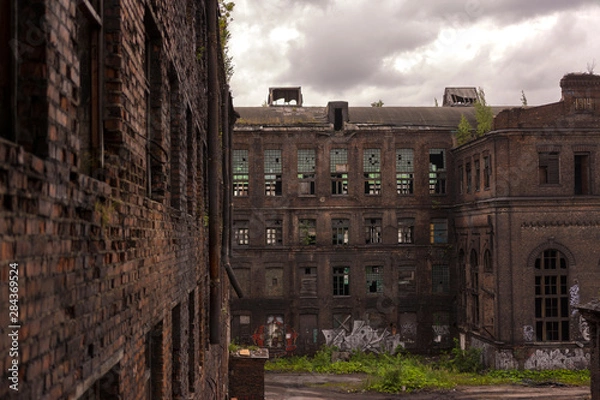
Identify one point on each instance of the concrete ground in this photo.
(341, 387)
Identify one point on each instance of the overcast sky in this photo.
(405, 52)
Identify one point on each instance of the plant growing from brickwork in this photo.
(483, 114)
(464, 133)
(225, 18)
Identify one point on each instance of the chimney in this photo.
(337, 114)
(581, 92)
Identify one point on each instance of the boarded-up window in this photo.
(548, 168)
(274, 282)
(308, 281)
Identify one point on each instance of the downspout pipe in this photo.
(228, 117)
(214, 175)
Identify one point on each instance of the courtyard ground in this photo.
(306, 386)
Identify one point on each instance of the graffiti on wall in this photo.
(558, 359)
(528, 333)
(363, 338)
(574, 296)
(275, 335)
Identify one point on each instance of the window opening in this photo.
(373, 231)
(440, 277)
(582, 174)
(273, 170)
(308, 282)
(306, 171)
(474, 280)
(406, 228)
(241, 233)
(340, 229)
(551, 296)
(487, 172)
(548, 168)
(477, 175)
(338, 159)
(469, 178)
(372, 171)
(437, 171)
(240, 173)
(374, 279)
(308, 232)
(341, 281)
(274, 233)
(438, 231)
(338, 119)
(404, 171)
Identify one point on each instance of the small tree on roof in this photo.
(483, 114)
(464, 132)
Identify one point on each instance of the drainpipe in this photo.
(214, 175)
(228, 117)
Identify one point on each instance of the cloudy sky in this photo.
(405, 52)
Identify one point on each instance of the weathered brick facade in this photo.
(104, 182)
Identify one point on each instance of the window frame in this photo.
(372, 171)
(340, 289)
(405, 171)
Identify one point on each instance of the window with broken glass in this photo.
(440, 278)
(487, 172)
(338, 163)
(240, 233)
(341, 281)
(406, 227)
(339, 231)
(307, 231)
(274, 233)
(240, 173)
(373, 230)
(374, 276)
(404, 171)
(372, 171)
(438, 231)
(551, 296)
(306, 172)
(437, 171)
(273, 170)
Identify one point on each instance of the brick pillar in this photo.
(247, 374)
(591, 312)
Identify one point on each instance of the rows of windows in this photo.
(339, 169)
(373, 278)
(340, 231)
(475, 174)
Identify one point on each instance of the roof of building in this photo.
(445, 117)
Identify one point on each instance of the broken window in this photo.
(274, 282)
(240, 173)
(406, 279)
(406, 227)
(307, 231)
(273, 170)
(477, 175)
(373, 231)
(551, 296)
(440, 278)
(372, 171)
(274, 233)
(338, 162)
(438, 231)
(437, 171)
(487, 172)
(306, 171)
(341, 281)
(404, 171)
(89, 110)
(548, 168)
(308, 281)
(374, 279)
(241, 233)
(339, 230)
(582, 174)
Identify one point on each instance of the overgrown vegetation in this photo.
(225, 18)
(484, 117)
(404, 373)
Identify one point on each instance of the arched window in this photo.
(474, 261)
(487, 261)
(551, 296)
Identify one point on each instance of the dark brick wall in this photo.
(102, 261)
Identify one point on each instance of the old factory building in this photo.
(112, 115)
(370, 227)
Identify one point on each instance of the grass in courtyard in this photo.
(404, 372)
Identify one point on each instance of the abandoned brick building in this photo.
(365, 224)
(112, 113)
